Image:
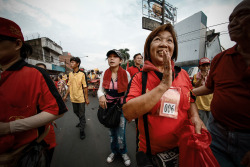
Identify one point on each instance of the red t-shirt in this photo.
(26, 90)
(229, 78)
(161, 129)
(133, 70)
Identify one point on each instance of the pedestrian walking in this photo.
(78, 90)
(160, 81)
(113, 84)
(137, 67)
(229, 81)
(29, 100)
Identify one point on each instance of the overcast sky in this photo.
(92, 27)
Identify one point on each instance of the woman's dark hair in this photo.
(26, 49)
(166, 27)
(60, 76)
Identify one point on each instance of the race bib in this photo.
(170, 102)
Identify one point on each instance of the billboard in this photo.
(153, 9)
(149, 24)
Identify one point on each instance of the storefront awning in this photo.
(58, 68)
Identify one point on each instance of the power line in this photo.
(202, 29)
(197, 38)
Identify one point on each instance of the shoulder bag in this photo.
(110, 117)
(33, 154)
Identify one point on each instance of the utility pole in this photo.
(163, 12)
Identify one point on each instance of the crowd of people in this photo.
(159, 96)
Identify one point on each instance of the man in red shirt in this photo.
(137, 65)
(29, 100)
(132, 71)
(229, 80)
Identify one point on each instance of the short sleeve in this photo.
(84, 81)
(101, 90)
(128, 76)
(69, 80)
(134, 87)
(210, 81)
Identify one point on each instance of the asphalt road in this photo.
(71, 151)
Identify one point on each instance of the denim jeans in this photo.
(118, 137)
(229, 147)
(79, 110)
(204, 116)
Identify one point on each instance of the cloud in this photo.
(23, 8)
(85, 27)
(217, 12)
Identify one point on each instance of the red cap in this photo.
(204, 60)
(10, 29)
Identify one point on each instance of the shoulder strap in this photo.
(144, 81)
(145, 116)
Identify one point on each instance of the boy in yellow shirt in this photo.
(78, 91)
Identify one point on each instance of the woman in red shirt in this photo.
(162, 77)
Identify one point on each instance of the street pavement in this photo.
(93, 151)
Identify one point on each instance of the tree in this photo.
(125, 54)
(124, 65)
(125, 57)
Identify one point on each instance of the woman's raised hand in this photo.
(167, 70)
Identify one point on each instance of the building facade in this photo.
(47, 52)
(65, 61)
(194, 41)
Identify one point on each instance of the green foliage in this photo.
(125, 54)
(124, 65)
(125, 58)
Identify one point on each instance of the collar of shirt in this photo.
(76, 72)
(137, 67)
(17, 66)
(232, 50)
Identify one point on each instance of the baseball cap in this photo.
(10, 29)
(117, 52)
(204, 60)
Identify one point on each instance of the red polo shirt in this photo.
(161, 129)
(26, 90)
(133, 70)
(229, 78)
